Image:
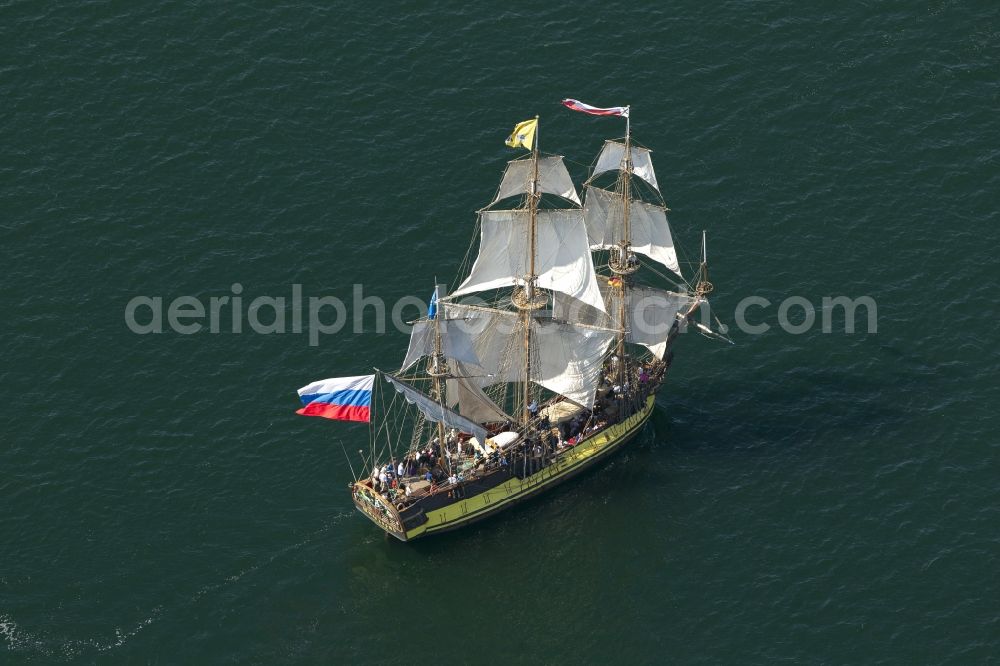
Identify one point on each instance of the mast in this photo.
(624, 266)
(437, 371)
(702, 287)
(627, 187)
(531, 249)
(533, 196)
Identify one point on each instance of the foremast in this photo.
(622, 262)
(624, 221)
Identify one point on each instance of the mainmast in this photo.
(534, 249)
(529, 304)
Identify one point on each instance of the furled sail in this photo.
(436, 412)
(651, 312)
(562, 256)
(612, 157)
(567, 357)
(649, 230)
(456, 343)
(553, 178)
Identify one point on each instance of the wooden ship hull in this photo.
(496, 491)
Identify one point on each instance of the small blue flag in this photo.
(433, 307)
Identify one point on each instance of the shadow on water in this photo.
(803, 406)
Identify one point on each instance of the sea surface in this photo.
(815, 498)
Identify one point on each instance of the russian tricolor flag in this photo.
(339, 398)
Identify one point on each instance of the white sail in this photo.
(435, 411)
(464, 392)
(500, 352)
(456, 343)
(649, 230)
(553, 178)
(458, 346)
(612, 157)
(562, 256)
(571, 310)
(567, 358)
(651, 312)
(570, 359)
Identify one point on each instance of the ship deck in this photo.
(485, 493)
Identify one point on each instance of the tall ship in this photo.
(543, 362)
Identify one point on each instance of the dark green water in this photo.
(814, 498)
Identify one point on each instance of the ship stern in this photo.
(378, 509)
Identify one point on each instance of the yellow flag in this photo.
(523, 134)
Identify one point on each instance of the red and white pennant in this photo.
(577, 105)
